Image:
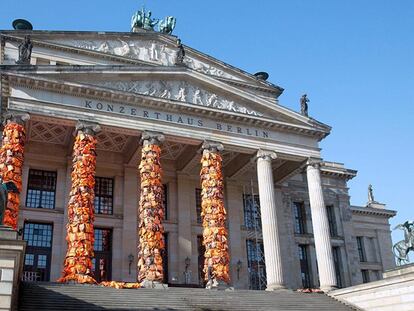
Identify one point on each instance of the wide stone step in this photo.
(60, 297)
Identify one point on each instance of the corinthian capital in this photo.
(15, 117)
(152, 138)
(88, 127)
(212, 146)
(266, 155)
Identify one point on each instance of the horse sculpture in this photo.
(403, 247)
(5, 188)
(167, 25)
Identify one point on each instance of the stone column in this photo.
(151, 212)
(80, 231)
(213, 213)
(326, 267)
(11, 164)
(270, 231)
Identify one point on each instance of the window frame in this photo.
(299, 213)
(333, 227)
(251, 211)
(361, 249)
(42, 188)
(99, 195)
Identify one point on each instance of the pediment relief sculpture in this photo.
(180, 91)
(147, 50)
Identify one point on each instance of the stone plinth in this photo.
(394, 292)
(11, 266)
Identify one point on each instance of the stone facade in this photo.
(129, 86)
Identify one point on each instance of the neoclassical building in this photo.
(289, 218)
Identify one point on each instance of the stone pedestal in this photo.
(394, 292)
(11, 266)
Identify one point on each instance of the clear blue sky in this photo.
(354, 59)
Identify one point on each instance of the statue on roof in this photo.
(141, 19)
(304, 100)
(25, 51)
(403, 247)
(167, 25)
(371, 195)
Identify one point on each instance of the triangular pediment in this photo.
(148, 47)
(180, 86)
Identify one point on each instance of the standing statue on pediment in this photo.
(212, 100)
(180, 53)
(181, 95)
(166, 93)
(25, 51)
(304, 100)
(370, 195)
(197, 98)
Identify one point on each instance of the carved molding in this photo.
(180, 91)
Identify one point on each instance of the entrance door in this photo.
(38, 251)
(102, 263)
(201, 250)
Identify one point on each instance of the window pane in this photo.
(104, 195)
(251, 207)
(29, 259)
(41, 189)
(102, 239)
(38, 234)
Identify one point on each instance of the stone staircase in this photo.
(59, 297)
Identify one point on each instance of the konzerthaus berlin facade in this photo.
(289, 216)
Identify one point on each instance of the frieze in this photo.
(180, 91)
(146, 50)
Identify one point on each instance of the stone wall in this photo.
(394, 292)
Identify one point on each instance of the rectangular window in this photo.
(365, 276)
(41, 189)
(304, 266)
(332, 221)
(198, 205)
(256, 265)
(300, 217)
(338, 265)
(361, 250)
(165, 200)
(104, 195)
(251, 207)
(38, 251)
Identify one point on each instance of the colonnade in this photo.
(78, 266)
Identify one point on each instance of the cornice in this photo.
(373, 211)
(95, 92)
(337, 170)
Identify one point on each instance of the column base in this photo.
(153, 284)
(275, 287)
(218, 285)
(327, 289)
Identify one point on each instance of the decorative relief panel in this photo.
(181, 91)
(145, 50)
(171, 150)
(111, 141)
(49, 133)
